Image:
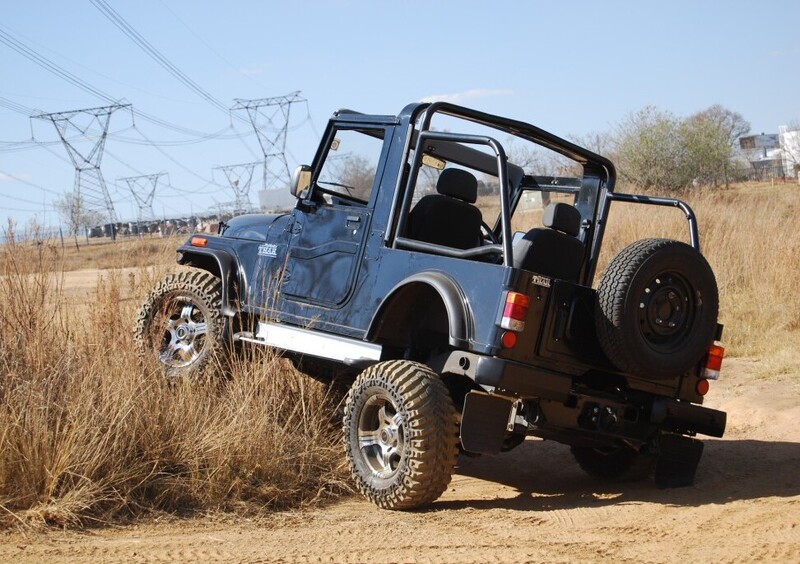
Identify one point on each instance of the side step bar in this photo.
(304, 341)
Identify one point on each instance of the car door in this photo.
(330, 229)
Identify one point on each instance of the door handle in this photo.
(353, 219)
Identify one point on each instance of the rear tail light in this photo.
(716, 353)
(198, 241)
(515, 311)
(509, 339)
(702, 387)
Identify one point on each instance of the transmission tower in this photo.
(270, 120)
(143, 188)
(240, 177)
(90, 187)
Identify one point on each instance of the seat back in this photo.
(555, 251)
(448, 218)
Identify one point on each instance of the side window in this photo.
(348, 173)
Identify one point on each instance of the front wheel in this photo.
(180, 324)
(400, 434)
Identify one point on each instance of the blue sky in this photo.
(570, 67)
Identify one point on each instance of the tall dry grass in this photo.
(87, 435)
(749, 237)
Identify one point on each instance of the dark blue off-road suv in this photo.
(441, 264)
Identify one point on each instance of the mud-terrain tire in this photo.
(615, 464)
(180, 324)
(400, 434)
(656, 310)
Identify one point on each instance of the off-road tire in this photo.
(400, 434)
(181, 327)
(656, 310)
(616, 464)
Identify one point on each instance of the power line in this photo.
(50, 66)
(31, 184)
(15, 107)
(126, 28)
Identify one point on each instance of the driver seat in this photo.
(448, 218)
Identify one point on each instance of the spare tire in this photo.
(656, 310)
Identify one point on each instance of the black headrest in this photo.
(458, 183)
(562, 217)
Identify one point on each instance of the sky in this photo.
(573, 68)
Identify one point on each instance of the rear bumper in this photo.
(556, 388)
(687, 418)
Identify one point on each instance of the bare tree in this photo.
(75, 214)
(358, 174)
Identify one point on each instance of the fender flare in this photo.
(227, 267)
(459, 315)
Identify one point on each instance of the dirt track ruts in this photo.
(533, 504)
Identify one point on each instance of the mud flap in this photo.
(678, 457)
(484, 422)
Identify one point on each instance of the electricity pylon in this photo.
(270, 120)
(90, 187)
(143, 188)
(240, 177)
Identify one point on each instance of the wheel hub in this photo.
(665, 308)
(380, 434)
(185, 327)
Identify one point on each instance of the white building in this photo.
(790, 150)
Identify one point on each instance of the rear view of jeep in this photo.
(444, 264)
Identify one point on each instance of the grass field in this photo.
(87, 435)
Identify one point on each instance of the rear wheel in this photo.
(400, 434)
(657, 306)
(618, 464)
(180, 324)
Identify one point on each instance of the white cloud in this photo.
(462, 97)
(785, 52)
(251, 71)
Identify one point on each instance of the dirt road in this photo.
(533, 504)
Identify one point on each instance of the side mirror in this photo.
(301, 181)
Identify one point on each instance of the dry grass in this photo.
(87, 435)
(124, 252)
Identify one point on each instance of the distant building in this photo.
(790, 150)
(276, 200)
(764, 154)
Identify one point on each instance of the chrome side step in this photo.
(314, 343)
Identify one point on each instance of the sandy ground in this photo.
(531, 505)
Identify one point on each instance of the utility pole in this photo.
(240, 177)
(270, 120)
(90, 186)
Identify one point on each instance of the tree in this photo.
(358, 174)
(710, 138)
(75, 214)
(655, 149)
(649, 150)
